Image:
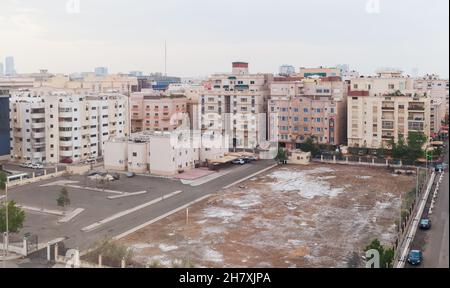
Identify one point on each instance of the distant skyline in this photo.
(204, 36)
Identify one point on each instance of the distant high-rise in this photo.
(287, 70)
(10, 70)
(101, 71)
(1, 69)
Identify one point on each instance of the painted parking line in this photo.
(126, 195)
(43, 211)
(100, 223)
(69, 217)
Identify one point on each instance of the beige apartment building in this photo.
(304, 108)
(382, 107)
(155, 111)
(54, 127)
(319, 72)
(123, 84)
(235, 106)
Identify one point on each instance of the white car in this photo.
(25, 165)
(238, 162)
(37, 166)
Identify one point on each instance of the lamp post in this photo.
(7, 219)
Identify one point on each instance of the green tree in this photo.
(310, 146)
(63, 199)
(386, 255)
(399, 149)
(416, 142)
(16, 217)
(3, 180)
(282, 155)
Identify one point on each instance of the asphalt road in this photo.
(98, 207)
(435, 242)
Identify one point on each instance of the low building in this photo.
(160, 153)
(299, 157)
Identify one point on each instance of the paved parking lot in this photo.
(97, 206)
(16, 169)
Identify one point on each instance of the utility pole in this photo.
(7, 218)
(165, 58)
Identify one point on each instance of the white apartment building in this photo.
(435, 87)
(54, 127)
(160, 153)
(382, 107)
(235, 106)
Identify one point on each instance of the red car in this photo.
(67, 161)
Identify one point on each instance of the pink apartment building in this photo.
(153, 111)
(308, 108)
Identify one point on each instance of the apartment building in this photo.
(382, 107)
(4, 124)
(160, 153)
(301, 108)
(319, 72)
(156, 111)
(90, 82)
(54, 127)
(435, 87)
(235, 106)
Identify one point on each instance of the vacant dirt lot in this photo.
(292, 216)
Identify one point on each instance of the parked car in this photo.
(37, 166)
(116, 176)
(92, 173)
(415, 257)
(238, 162)
(425, 224)
(130, 174)
(25, 165)
(91, 161)
(249, 159)
(67, 161)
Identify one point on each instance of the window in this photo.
(134, 154)
(306, 110)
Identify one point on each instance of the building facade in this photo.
(154, 111)
(235, 106)
(385, 107)
(55, 127)
(4, 125)
(305, 108)
(160, 153)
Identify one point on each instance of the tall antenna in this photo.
(165, 58)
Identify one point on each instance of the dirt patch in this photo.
(293, 216)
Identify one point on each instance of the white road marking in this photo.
(127, 195)
(96, 225)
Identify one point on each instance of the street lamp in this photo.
(6, 244)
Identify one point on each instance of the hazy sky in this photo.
(205, 36)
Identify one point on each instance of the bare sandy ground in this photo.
(292, 216)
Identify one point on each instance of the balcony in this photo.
(66, 153)
(416, 108)
(65, 133)
(66, 124)
(65, 114)
(38, 125)
(65, 143)
(38, 145)
(38, 135)
(388, 107)
(38, 116)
